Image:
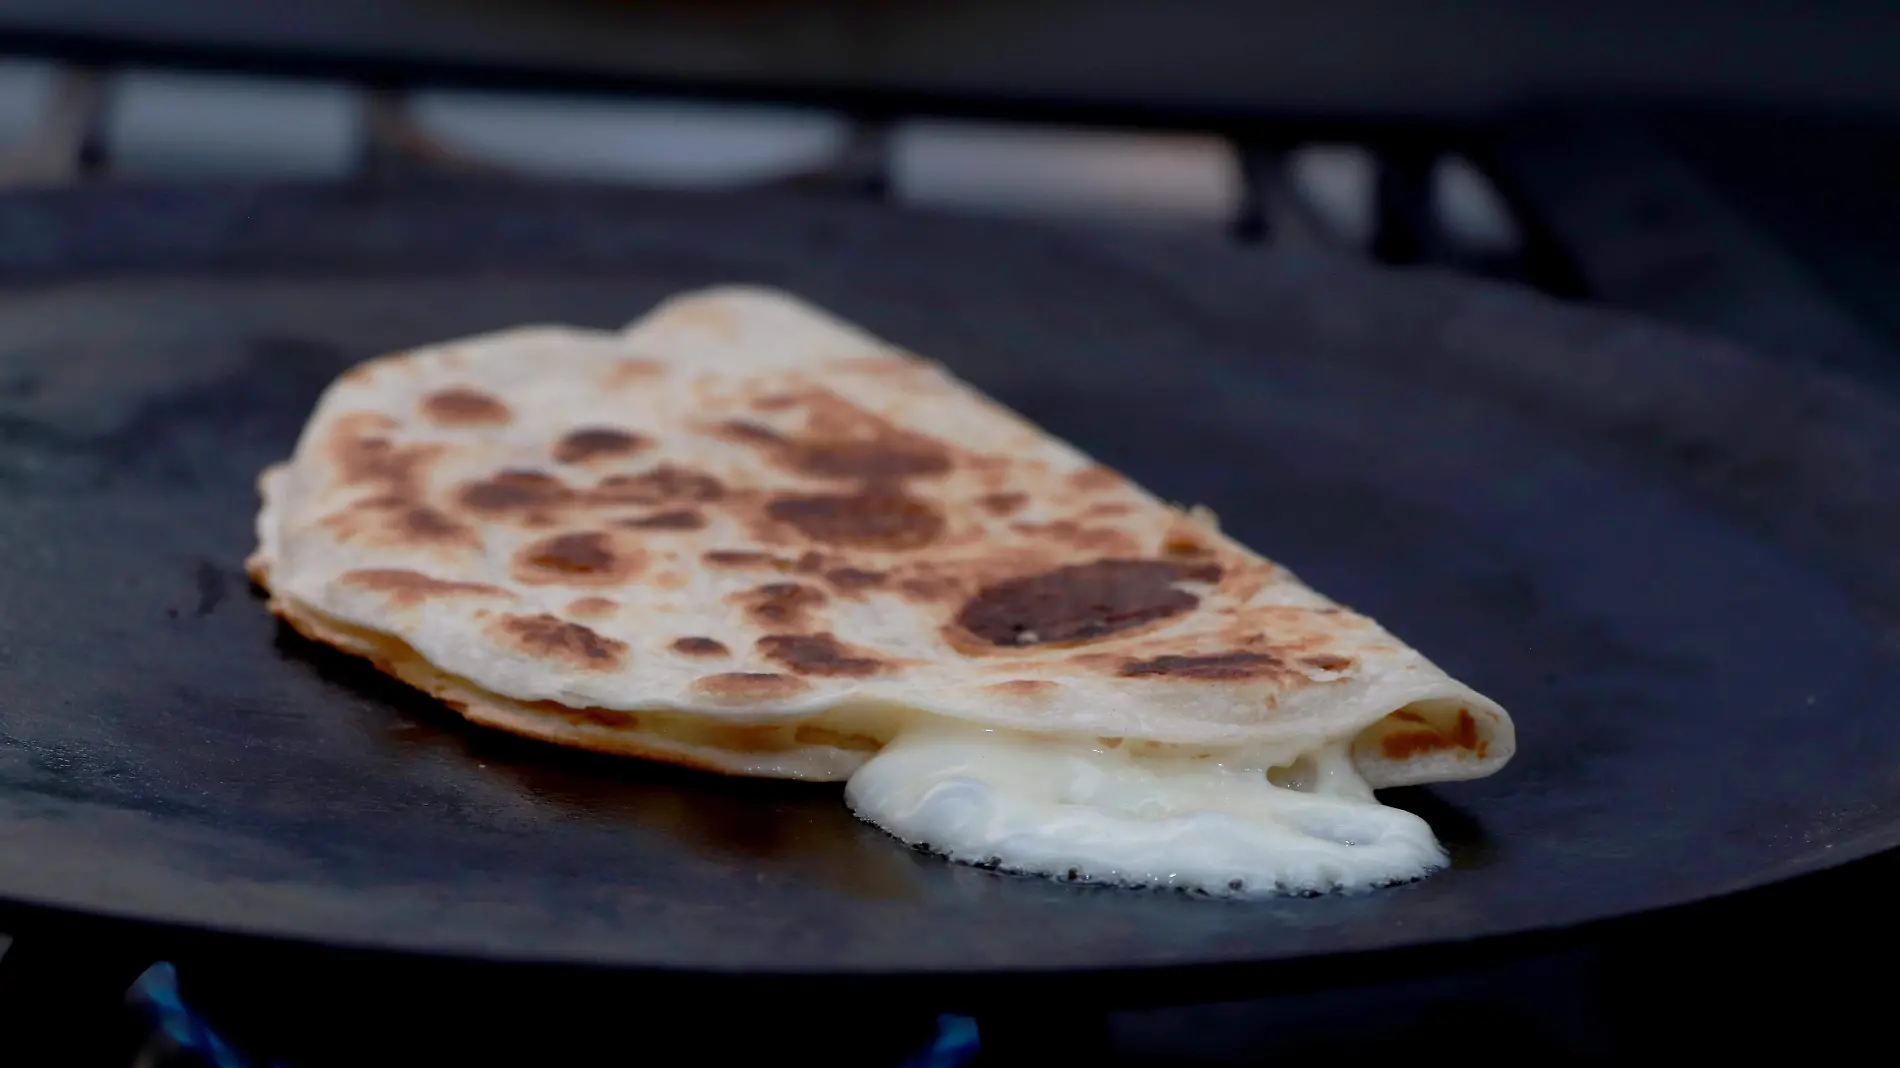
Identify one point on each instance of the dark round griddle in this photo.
(1674, 562)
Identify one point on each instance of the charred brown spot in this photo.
(854, 578)
(818, 654)
(700, 647)
(1236, 665)
(1001, 504)
(574, 554)
(1327, 662)
(751, 433)
(1073, 533)
(427, 525)
(1400, 745)
(408, 588)
(585, 558)
(1111, 509)
(1061, 529)
(1081, 602)
(594, 442)
(931, 587)
(464, 407)
(364, 457)
(844, 441)
(876, 518)
(781, 604)
(1095, 479)
(515, 491)
(549, 636)
(751, 686)
(665, 484)
(736, 558)
(677, 520)
(1024, 687)
(592, 607)
(627, 372)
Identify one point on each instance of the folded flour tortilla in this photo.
(747, 537)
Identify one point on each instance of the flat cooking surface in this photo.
(1672, 562)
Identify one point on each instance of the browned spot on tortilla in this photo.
(364, 457)
(421, 524)
(580, 559)
(776, 402)
(665, 484)
(1110, 508)
(700, 647)
(854, 578)
(1095, 479)
(1399, 745)
(736, 558)
(556, 639)
(1233, 665)
(683, 519)
(515, 490)
(876, 518)
(407, 589)
(1023, 687)
(672, 580)
(841, 440)
(397, 513)
(464, 407)
(592, 607)
(1105, 541)
(1081, 602)
(594, 442)
(1001, 504)
(627, 372)
(818, 654)
(780, 604)
(931, 587)
(1110, 743)
(1327, 661)
(751, 686)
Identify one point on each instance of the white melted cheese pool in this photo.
(1078, 809)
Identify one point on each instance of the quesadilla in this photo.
(745, 536)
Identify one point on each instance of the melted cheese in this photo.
(1234, 823)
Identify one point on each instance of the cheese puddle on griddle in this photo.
(1076, 808)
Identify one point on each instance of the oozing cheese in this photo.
(1078, 809)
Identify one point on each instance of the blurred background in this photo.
(1727, 165)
